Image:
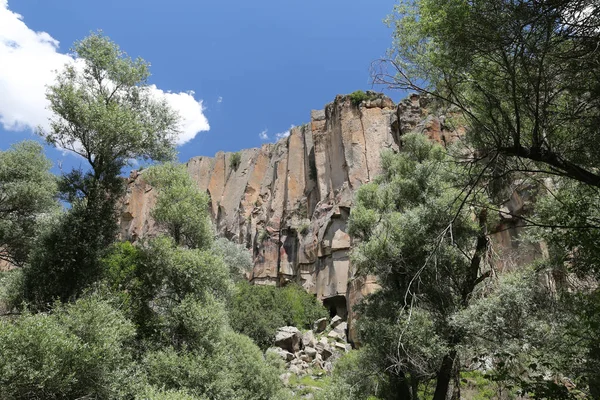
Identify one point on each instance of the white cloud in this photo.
(284, 134)
(29, 60)
(220, 99)
(265, 136)
(191, 111)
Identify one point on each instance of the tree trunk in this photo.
(400, 387)
(414, 384)
(444, 376)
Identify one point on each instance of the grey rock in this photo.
(326, 353)
(288, 338)
(284, 354)
(341, 346)
(311, 352)
(320, 325)
(308, 339)
(295, 369)
(335, 321)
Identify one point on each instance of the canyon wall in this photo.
(289, 202)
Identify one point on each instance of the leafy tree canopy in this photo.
(524, 74)
(28, 193)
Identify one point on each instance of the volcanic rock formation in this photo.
(289, 202)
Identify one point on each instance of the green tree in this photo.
(521, 73)
(236, 257)
(156, 280)
(181, 208)
(257, 311)
(28, 194)
(525, 330)
(105, 112)
(429, 252)
(78, 351)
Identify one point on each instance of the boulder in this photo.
(288, 338)
(341, 330)
(308, 339)
(295, 369)
(341, 346)
(311, 352)
(320, 325)
(333, 335)
(325, 352)
(284, 354)
(335, 321)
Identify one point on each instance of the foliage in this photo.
(104, 109)
(66, 256)
(358, 97)
(181, 208)
(350, 379)
(28, 193)
(11, 289)
(519, 72)
(235, 160)
(77, 351)
(571, 215)
(257, 311)
(429, 253)
(235, 370)
(235, 256)
(523, 332)
(159, 284)
(262, 235)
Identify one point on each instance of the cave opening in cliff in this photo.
(336, 306)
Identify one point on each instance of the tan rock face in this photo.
(289, 202)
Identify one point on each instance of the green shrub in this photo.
(181, 208)
(79, 350)
(358, 97)
(235, 370)
(262, 235)
(303, 229)
(153, 281)
(235, 256)
(11, 289)
(349, 380)
(257, 311)
(235, 160)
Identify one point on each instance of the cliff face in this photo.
(289, 202)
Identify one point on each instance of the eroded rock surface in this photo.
(289, 202)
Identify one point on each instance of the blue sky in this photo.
(252, 66)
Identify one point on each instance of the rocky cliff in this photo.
(289, 202)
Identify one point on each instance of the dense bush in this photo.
(78, 350)
(257, 311)
(358, 97)
(235, 369)
(181, 208)
(235, 160)
(154, 281)
(349, 380)
(235, 256)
